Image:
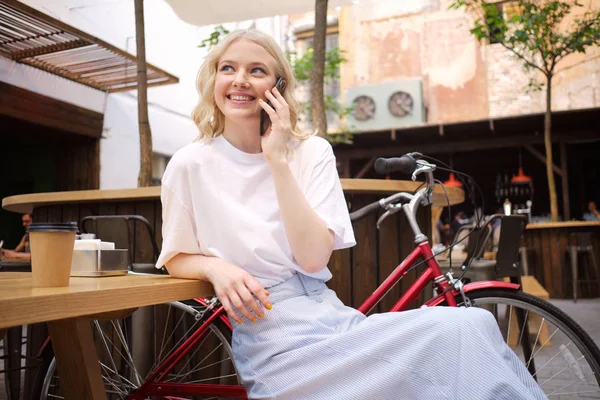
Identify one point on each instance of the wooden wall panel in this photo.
(364, 254)
(23, 104)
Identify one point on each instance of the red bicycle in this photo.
(190, 357)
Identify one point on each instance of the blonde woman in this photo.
(259, 216)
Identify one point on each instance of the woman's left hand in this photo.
(275, 140)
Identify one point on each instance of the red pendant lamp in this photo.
(520, 178)
(452, 181)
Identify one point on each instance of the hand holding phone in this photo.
(265, 121)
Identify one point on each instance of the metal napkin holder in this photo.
(100, 262)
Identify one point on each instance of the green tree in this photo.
(541, 33)
(302, 65)
(212, 39)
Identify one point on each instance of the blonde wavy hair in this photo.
(207, 115)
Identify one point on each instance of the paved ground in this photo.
(586, 312)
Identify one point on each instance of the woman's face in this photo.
(244, 72)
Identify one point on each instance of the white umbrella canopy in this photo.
(209, 12)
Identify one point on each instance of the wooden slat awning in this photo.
(34, 38)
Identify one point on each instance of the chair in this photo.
(506, 263)
(478, 238)
(507, 258)
(581, 244)
(121, 229)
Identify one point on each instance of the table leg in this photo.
(76, 358)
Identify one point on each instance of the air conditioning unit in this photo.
(388, 105)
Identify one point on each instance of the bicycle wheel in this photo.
(560, 355)
(124, 369)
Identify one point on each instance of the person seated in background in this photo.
(593, 214)
(23, 249)
(460, 219)
(442, 232)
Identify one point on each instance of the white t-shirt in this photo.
(220, 201)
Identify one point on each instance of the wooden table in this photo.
(68, 311)
(356, 271)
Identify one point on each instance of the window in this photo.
(507, 9)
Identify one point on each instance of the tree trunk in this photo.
(317, 95)
(145, 175)
(548, 145)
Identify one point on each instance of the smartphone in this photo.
(265, 121)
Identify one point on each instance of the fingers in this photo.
(274, 101)
(277, 100)
(279, 96)
(240, 301)
(269, 110)
(260, 293)
(229, 309)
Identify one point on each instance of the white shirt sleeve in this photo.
(178, 230)
(324, 193)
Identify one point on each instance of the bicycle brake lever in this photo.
(419, 170)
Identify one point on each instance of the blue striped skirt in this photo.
(311, 346)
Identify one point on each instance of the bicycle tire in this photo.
(565, 350)
(45, 386)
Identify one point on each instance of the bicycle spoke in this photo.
(537, 338)
(525, 321)
(548, 362)
(130, 363)
(510, 313)
(184, 337)
(197, 369)
(198, 346)
(121, 335)
(208, 379)
(131, 384)
(558, 373)
(104, 341)
(548, 340)
(570, 384)
(111, 383)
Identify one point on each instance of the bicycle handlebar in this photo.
(364, 211)
(406, 164)
(411, 164)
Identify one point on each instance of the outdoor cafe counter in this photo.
(547, 245)
(356, 271)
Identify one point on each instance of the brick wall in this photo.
(462, 79)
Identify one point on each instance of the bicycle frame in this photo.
(431, 274)
(153, 387)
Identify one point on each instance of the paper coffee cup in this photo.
(51, 253)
